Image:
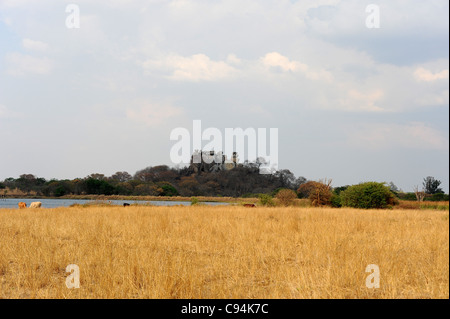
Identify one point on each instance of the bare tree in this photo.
(420, 195)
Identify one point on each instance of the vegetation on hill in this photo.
(244, 181)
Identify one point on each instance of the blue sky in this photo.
(351, 103)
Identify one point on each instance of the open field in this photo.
(223, 252)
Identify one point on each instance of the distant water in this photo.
(53, 203)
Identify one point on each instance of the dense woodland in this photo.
(242, 181)
(160, 181)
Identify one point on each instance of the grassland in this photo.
(223, 252)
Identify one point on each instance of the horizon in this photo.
(356, 94)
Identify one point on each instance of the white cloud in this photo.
(198, 67)
(34, 45)
(276, 60)
(233, 59)
(19, 64)
(359, 101)
(422, 74)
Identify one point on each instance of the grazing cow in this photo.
(126, 204)
(22, 205)
(249, 205)
(35, 205)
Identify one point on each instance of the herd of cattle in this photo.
(39, 204)
(32, 205)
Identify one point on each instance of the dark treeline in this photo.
(243, 180)
(162, 180)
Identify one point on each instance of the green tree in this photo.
(431, 185)
(166, 189)
(99, 187)
(368, 195)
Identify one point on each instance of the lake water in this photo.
(53, 203)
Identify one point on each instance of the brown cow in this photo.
(22, 205)
(249, 205)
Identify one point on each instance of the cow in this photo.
(22, 205)
(126, 204)
(35, 205)
(249, 205)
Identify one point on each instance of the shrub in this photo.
(368, 195)
(286, 196)
(99, 187)
(321, 194)
(336, 200)
(305, 189)
(276, 191)
(194, 201)
(60, 191)
(438, 197)
(166, 189)
(338, 190)
(266, 200)
(407, 196)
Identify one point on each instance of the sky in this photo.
(351, 103)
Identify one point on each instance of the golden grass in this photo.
(223, 252)
(409, 204)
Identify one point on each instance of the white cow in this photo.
(35, 205)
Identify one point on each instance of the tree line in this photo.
(160, 180)
(242, 181)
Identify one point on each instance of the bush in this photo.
(194, 201)
(438, 197)
(338, 190)
(407, 196)
(319, 193)
(336, 200)
(286, 196)
(276, 191)
(305, 189)
(60, 191)
(368, 195)
(166, 189)
(266, 200)
(99, 187)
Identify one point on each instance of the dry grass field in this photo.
(223, 252)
